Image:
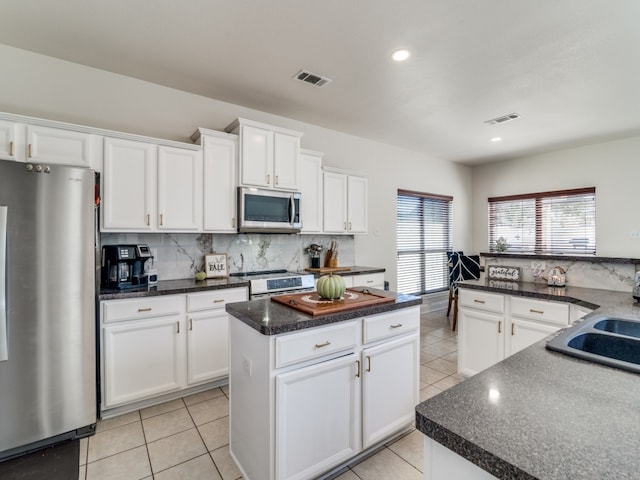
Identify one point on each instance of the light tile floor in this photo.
(188, 438)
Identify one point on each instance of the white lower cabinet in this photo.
(325, 394)
(153, 346)
(317, 417)
(390, 384)
(494, 326)
(142, 359)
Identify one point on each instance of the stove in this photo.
(275, 282)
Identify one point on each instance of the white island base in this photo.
(306, 402)
(440, 463)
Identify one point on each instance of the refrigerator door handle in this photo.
(4, 353)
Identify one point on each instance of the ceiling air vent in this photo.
(503, 119)
(312, 78)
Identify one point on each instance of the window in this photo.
(551, 222)
(424, 237)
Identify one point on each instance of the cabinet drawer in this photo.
(550, 312)
(314, 343)
(389, 324)
(373, 280)
(491, 302)
(118, 310)
(215, 299)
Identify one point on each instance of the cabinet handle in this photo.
(161, 219)
(345, 225)
(478, 301)
(268, 179)
(512, 328)
(500, 326)
(30, 151)
(11, 148)
(178, 324)
(358, 371)
(191, 324)
(233, 222)
(541, 312)
(369, 281)
(349, 226)
(218, 300)
(276, 180)
(397, 325)
(148, 309)
(320, 345)
(148, 219)
(368, 363)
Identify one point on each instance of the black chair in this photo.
(461, 267)
(450, 267)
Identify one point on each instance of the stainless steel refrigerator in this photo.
(47, 305)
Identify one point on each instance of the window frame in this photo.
(539, 198)
(423, 252)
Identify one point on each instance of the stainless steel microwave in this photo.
(268, 211)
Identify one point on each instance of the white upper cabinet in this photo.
(345, 202)
(220, 154)
(147, 187)
(179, 189)
(269, 156)
(311, 189)
(129, 186)
(8, 140)
(43, 144)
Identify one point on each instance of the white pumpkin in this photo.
(331, 287)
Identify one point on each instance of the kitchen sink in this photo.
(610, 341)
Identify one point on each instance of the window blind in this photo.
(562, 221)
(423, 239)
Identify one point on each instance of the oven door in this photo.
(265, 211)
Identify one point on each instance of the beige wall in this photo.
(44, 87)
(612, 167)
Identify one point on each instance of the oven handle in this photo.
(292, 209)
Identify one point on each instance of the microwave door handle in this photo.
(292, 209)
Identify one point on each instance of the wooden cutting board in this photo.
(328, 269)
(311, 303)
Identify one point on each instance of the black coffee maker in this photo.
(123, 266)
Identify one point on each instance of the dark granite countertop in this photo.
(354, 270)
(567, 257)
(554, 416)
(271, 318)
(173, 287)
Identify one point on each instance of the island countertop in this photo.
(543, 415)
(272, 318)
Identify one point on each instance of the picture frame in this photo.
(216, 265)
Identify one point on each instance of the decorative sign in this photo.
(500, 272)
(215, 265)
(504, 284)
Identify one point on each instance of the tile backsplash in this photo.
(179, 255)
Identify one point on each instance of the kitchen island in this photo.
(538, 414)
(309, 394)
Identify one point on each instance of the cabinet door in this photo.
(311, 189)
(207, 346)
(357, 204)
(523, 333)
(286, 161)
(480, 340)
(334, 202)
(179, 189)
(256, 156)
(9, 140)
(129, 193)
(317, 417)
(220, 156)
(53, 145)
(390, 387)
(141, 359)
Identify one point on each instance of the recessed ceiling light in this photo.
(496, 139)
(400, 55)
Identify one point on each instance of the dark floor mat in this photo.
(59, 462)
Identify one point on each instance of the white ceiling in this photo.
(570, 68)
